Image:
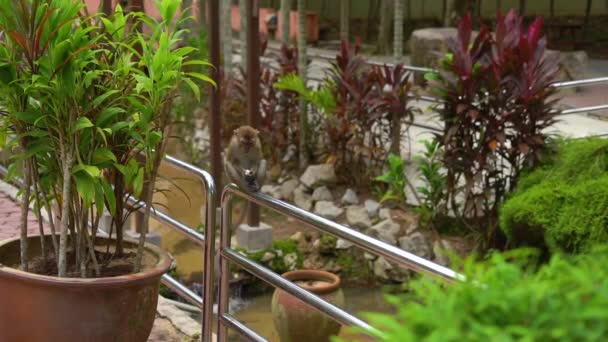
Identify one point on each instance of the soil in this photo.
(110, 264)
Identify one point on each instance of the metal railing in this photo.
(206, 241)
(369, 244)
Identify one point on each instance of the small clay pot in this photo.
(295, 321)
(39, 308)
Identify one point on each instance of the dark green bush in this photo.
(562, 205)
(566, 300)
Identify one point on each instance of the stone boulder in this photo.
(328, 210)
(418, 244)
(384, 269)
(357, 217)
(316, 175)
(322, 193)
(350, 197)
(302, 199)
(385, 231)
(288, 188)
(372, 207)
(272, 190)
(427, 46)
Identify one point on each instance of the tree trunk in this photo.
(107, 7)
(202, 20)
(447, 12)
(385, 25)
(398, 36)
(243, 33)
(25, 206)
(344, 19)
(227, 37)
(302, 69)
(67, 162)
(285, 18)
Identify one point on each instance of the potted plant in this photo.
(87, 106)
(296, 321)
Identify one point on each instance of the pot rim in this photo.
(332, 279)
(155, 271)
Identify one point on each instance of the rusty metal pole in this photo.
(253, 83)
(214, 100)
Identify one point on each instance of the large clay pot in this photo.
(37, 308)
(294, 320)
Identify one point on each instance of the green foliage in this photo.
(503, 300)
(432, 193)
(321, 98)
(395, 179)
(564, 203)
(84, 96)
(327, 244)
(279, 249)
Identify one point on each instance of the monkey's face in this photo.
(247, 143)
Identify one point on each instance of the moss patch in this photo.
(562, 205)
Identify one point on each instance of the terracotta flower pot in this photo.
(294, 320)
(37, 308)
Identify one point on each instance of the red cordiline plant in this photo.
(497, 97)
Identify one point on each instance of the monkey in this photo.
(244, 163)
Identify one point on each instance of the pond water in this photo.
(182, 196)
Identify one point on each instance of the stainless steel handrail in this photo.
(369, 244)
(206, 241)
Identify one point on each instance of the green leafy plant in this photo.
(504, 299)
(88, 106)
(562, 205)
(432, 193)
(395, 180)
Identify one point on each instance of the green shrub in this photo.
(562, 205)
(566, 300)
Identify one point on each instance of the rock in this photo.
(290, 260)
(316, 175)
(328, 210)
(350, 197)
(322, 194)
(302, 199)
(267, 257)
(385, 214)
(272, 190)
(386, 231)
(370, 256)
(343, 244)
(316, 244)
(288, 188)
(387, 271)
(428, 45)
(442, 250)
(298, 237)
(418, 244)
(372, 208)
(357, 217)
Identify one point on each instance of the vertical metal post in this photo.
(214, 101)
(209, 260)
(224, 286)
(253, 83)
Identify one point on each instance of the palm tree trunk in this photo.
(344, 19)
(285, 18)
(398, 36)
(302, 69)
(384, 28)
(227, 36)
(67, 161)
(447, 12)
(243, 32)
